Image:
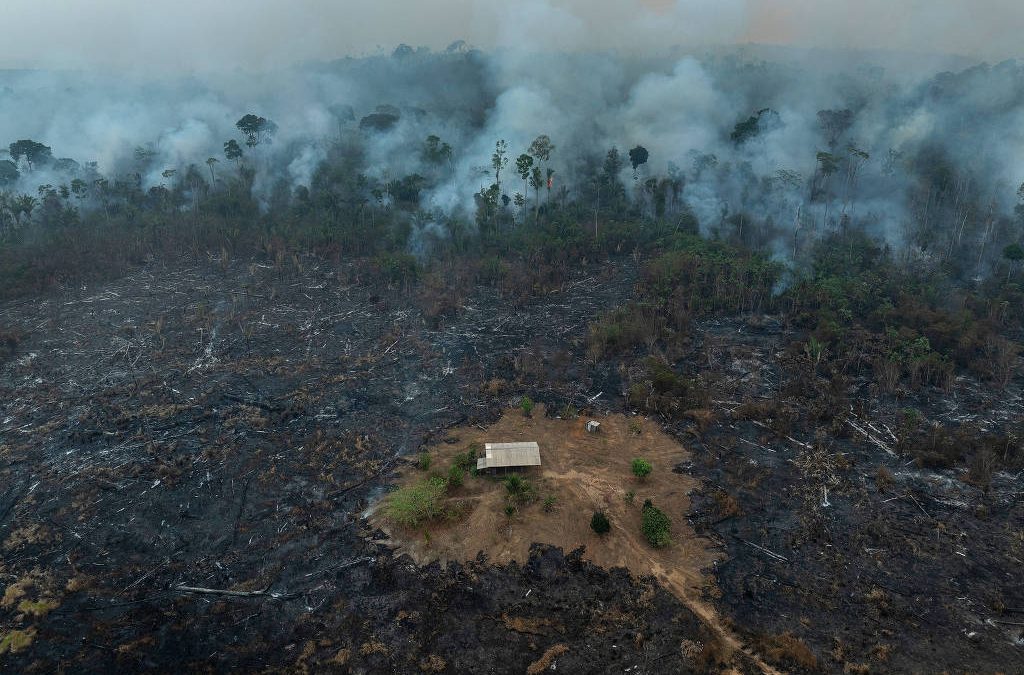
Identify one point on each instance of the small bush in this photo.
(599, 523)
(456, 474)
(641, 468)
(635, 427)
(519, 489)
(424, 461)
(549, 503)
(413, 505)
(526, 403)
(510, 510)
(630, 496)
(656, 526)
(465, 460)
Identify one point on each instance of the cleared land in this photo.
(585, 472)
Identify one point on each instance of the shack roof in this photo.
(501, 455)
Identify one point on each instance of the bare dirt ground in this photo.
(585, 472)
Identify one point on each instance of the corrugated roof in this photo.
(501, 455)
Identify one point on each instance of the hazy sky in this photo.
(203, 34)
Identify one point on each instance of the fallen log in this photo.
(772, 554)
(219, 591)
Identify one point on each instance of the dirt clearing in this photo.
(584, 472)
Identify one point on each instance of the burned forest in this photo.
(595, 348)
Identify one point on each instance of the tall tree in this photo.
(536, 180)
(8, 172)
(233, 151)
(541, 148)
(256, 129)
(499, 160)
(35, 153)
(834, 123)
(435, 151)
(638, 157)
(524, 163)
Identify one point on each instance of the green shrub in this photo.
(456, 474)
(527, 405)
(510, 510)
(413, 505)
(466, 460)
(549, 503)
(641, 468)
(629, 496)
(424, 461)
(656, 525)
(599, 523)
(519, 489)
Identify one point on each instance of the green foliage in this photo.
(232, 150)
(1013, 252)
(641, 468)
(35, 153)
(699, 277)
(637, 157)
(656, 526)
(8, 172)
(16, 640)
(416, 504)
(424, 461)
(765, 120)
(630, 496)
(456, 474)
(526, 404)
(599, 523)
(519, 489)
(549, 503)
(397, 267)
(256, 129)
(466, 460)
(435, 151)
(624, 329)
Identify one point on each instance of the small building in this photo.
(509, 456)
(593, 426)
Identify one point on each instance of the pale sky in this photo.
(217, 34)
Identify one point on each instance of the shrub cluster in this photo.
(656, 525)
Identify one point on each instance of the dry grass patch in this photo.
(787, 650)
(545, 661)
(17, 640)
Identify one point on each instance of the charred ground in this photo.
(225, 425)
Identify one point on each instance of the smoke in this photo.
(197, 35)
(590, 75)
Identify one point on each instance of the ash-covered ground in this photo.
(225, 427)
